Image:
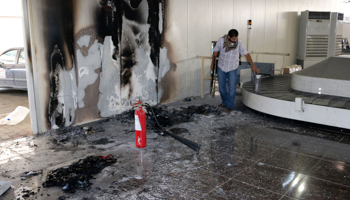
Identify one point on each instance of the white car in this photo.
(13, 69)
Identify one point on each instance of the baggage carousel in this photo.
(317, 100)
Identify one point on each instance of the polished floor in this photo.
(243, 155)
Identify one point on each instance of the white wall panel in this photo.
(311, 5)
(330, 4)
(282, 32)
(257, 33)
(39, 72)
(302, 5)
(293, 31)
(317, 5)
(222, 17)
(200, 20)
(178, 37)
(345, 8)
(241, 15)
(83, 7)
(337, 4)
(271, 22)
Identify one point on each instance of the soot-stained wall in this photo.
(90, 58)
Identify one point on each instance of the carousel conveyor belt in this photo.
(277, 98)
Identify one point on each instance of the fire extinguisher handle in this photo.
(137, 102)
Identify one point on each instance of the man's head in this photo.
(233, 35)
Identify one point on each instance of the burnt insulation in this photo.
(117, 24)
(78, 175)
(106, 20)
(133, 12)
(56, 64)
(154, 34)
(58, 27)
(167, 83)
(58, 39)
(135, 3)
(73, 133)
(58, 34)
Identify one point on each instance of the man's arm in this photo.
(250, 61)
(215, 54)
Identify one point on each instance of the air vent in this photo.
(340, 16)
(316, 46)
(338, 45)
(319, 15)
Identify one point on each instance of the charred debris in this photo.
(78, 175)
(69, 178)
(168, 117)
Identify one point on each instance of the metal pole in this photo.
(29, 67)
(202, 80)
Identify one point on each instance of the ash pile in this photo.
(78, 175)
(168, 117)
(74, 134)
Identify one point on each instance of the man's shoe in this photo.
(228, 110)
(221, 106)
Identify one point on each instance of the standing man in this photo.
(230, 48)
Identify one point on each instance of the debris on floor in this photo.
(243, 155)
(178, 131)
(76, 130)
(78, 175)
(91, 129)
(15, 117)
(73, 134)
(23, 193)
(102, 141)
(170, 116)
(30, 174)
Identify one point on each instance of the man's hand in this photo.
(250, 61)
(212, 66)
(255, 70)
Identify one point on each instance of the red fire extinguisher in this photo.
(140, 126)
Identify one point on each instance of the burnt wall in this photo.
(91, 57)
(51, 52)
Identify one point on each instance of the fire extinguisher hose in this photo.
(193, 145)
